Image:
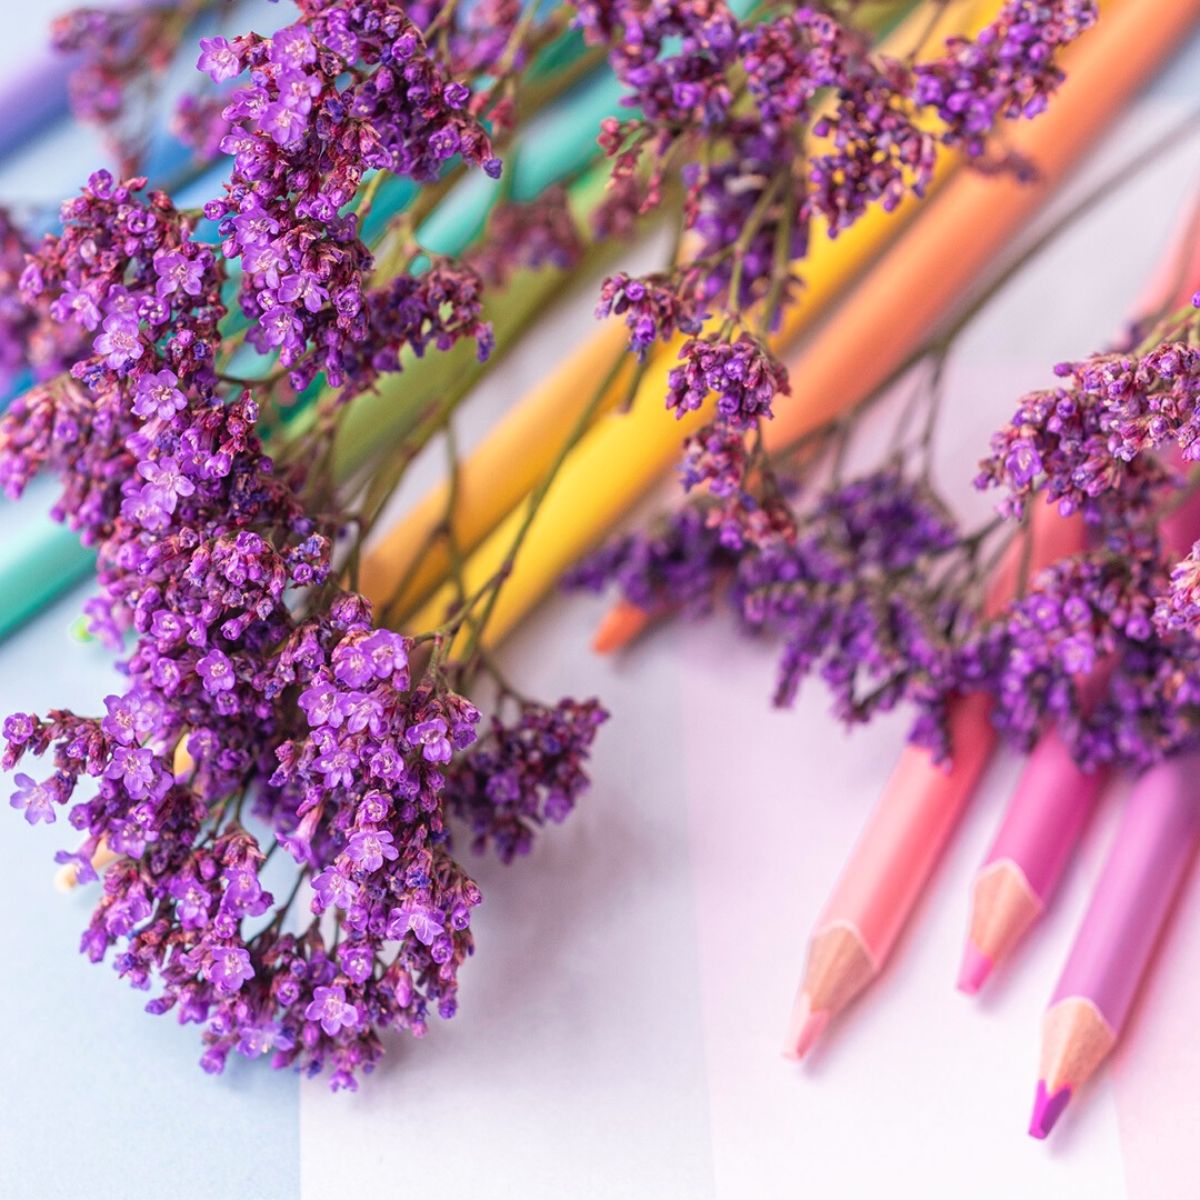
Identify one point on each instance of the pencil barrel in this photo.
(1154, 845)
(909, 828)
(1053, 801)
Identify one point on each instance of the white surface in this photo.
(584, 1076)
(619, 1027)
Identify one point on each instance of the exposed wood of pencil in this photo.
(941, 256)
(1076, 1039)
(839, 967)
(622, 624)
(1003, 907)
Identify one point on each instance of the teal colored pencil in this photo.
(42, 559)
(39, 560)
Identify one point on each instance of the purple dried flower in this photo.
(123, 52)
(228, 968)
(744, 376)
(37, 800)
(652, 309)
(530, 236)
(523, 774)
(330, 1007)
(219, 60)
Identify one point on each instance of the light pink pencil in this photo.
(906, 833)
(1154, 845)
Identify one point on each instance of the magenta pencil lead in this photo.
(976, 967)
(1151, 852)
(1047, 1108)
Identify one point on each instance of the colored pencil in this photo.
(50, 555)
(39, 560)
(407, 563)
(1049, 809)
(622, 624)
(1153, 847)
(1054, 799)
(941, 257)
(403, 568)
(906, 832)
(624, 454)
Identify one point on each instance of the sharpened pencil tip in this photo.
(1047, 1109)
(804, 1027)
(975, 969)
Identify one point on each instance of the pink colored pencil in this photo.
(1051, 805)
(1154, 845)
(1045, 819)
(1054, 799)
(906, 834)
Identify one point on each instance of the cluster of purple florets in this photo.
(653, 309)
(1008, 71)
(1109, 443)
(783, 161)
(528, 236)
(254, 685)
(438, 308)
(742, 374)
(524, 773)
(874, 588)
(120, 53)
(124, 285)
(19, 345)
(677, 562)
(846, 585)
(348, 89)
(852, 594)
(1087, 442)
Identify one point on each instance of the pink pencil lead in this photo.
(1047, 1109)
(975, 969)
(804, 1027)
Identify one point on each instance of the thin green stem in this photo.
(536, 498)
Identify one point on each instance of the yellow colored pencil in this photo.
(410, 560)
(622, 456)
(404, 567)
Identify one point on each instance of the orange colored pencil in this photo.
(620, 626)
(941, 256)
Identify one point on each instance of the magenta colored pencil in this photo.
(1154, 845)
(1050, 808)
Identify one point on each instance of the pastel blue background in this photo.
(97, 1098)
